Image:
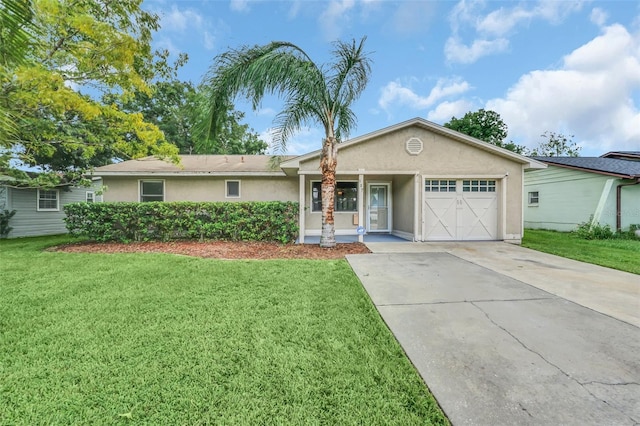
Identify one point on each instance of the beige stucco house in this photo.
(416, 180)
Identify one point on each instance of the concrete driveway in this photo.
(503, 335)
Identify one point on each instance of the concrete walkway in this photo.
(503, 335)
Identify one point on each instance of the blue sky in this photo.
(565, 66)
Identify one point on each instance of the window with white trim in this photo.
(478, 186)
(345, 197)
(233, 188)
(90, 197)
(48, 200)
(439, 185)
(151, 190)
(534, 197)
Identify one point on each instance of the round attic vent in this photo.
(414, 146)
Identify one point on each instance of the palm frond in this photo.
(278, 68)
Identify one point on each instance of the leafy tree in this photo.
(487, 126)
(313, 94)
(175, 106)
(102, 46)
(557, 145)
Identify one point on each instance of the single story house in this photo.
(575, 190)
(39, 211)
(417, 180)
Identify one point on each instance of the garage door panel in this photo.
(479, 218)
(440, 217)
(468, 213)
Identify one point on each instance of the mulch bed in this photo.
(221, 249)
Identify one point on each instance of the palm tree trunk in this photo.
(328, 164)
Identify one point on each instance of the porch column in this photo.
(361, 215)
(504, 209)
(301, 212)
(417, 208)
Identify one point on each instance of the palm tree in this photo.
(312, 94)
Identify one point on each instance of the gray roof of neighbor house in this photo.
(623, 155)
(195, 165)
(606, 166)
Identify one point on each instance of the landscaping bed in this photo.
(221, 249)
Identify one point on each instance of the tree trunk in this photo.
(328, 163)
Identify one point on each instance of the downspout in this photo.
(619, 202)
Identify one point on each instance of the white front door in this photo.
(456, 210)
(378, 207)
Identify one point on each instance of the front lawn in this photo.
(615, 253)
(165, 339)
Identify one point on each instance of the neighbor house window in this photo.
(151, 190)
(533, 197)
(346, 197)
(48, 200)
(233, 188)
(90, 197)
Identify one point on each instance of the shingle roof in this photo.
(607, 166)
(196, 164)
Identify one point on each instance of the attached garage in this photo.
(460, 210)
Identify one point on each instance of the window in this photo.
(436, 185)
(48, 200)
(533, 197)
(478, 186)
(151, 190)
(90, 197)
(346, 197)
(233, 188)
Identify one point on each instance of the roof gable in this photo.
(427, 125)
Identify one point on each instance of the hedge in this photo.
(231, 221)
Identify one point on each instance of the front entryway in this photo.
(378, 207)
(458, 210)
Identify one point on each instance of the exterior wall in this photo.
(29, 222)
(313, 220)
(403, 203)
(205, 188)
(569, 197)
(440, 157)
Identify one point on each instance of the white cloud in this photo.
(445, 110)
(412, 17)
(590, 96)
(457, 52)
(491, 29)
(335, 17)
(599, 16)
(395, 94)
(209, 40)
(180, 20)
(239, 6)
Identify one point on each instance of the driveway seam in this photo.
(583, 386)
(467, 301)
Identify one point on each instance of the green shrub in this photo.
(595, 231)
(5, 215)
(251, 221)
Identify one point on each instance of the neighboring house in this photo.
(575, 190)
(416, 180)
(39, 211)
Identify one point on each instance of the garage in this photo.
(460, 210)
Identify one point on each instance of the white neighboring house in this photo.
(39, 211)
(574, 190)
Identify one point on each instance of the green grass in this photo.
(614, 253)
(162, 339)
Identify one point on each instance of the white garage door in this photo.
(457, 210)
